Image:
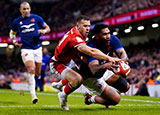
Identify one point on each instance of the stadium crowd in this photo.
(61, 15)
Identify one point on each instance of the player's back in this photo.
(66, 49)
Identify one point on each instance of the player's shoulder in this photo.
(75, 32)
(34, 15)
(91, 43)
(18, 19)
(114, 38)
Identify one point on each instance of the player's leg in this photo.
(30, 65)
(42, 80)
(74, 81)
(28, 60)
(120, 84)
(38, 61)
(110, 96)
(59, 85)
(37, 82)
(115, 81)
(105, 94)
(62, 82)
(38, 73)
(38, 69)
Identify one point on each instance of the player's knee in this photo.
(128, 86)
(37, 74)
(113, 101)
(76, 81)
(117, 100)
(31, 70)
(122, 85)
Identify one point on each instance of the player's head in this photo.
(83, 24)
(25, 9)
(102, 33)
(45, 51)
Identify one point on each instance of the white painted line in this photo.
(136, 100)
(74, 95)
(22, 106)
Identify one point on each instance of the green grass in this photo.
(14, 103)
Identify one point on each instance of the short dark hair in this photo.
(81, 17)
(98, 27)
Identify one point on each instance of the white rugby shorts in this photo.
(32, 54)
(95, 85)
(62, 69)
(107, 75)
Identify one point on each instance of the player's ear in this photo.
(77, 23)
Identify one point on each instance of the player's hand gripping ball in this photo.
(123, 69)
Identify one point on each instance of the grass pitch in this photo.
(19, 103)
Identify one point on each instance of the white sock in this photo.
(31, 84)
(92, 99)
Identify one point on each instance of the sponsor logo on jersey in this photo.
(28, 28)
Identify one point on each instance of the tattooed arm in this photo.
(121, 53)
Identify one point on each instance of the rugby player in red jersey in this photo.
(68, 48)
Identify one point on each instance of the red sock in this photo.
(68, 88)
(64, 82)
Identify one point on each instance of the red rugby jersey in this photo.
(66, 48)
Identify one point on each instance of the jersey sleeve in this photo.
(14, 26)
(115, 42)
(76, 41)
(90, 59)
(40, 21)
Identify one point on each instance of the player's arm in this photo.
(12, 35)
(95, 67)
(120, 51)
(93, 52)
(46, 29)
(122, 54)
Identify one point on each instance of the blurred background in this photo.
(134, 22)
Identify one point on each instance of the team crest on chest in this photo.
(32, 20)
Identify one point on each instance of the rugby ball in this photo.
(123, 69)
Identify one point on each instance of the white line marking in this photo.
(22, 106)
(74, 95)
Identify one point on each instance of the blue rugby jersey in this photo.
(45, 61)
(115, 44)
(28, 30)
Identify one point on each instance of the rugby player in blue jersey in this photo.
(101, 39)
(28, 26)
